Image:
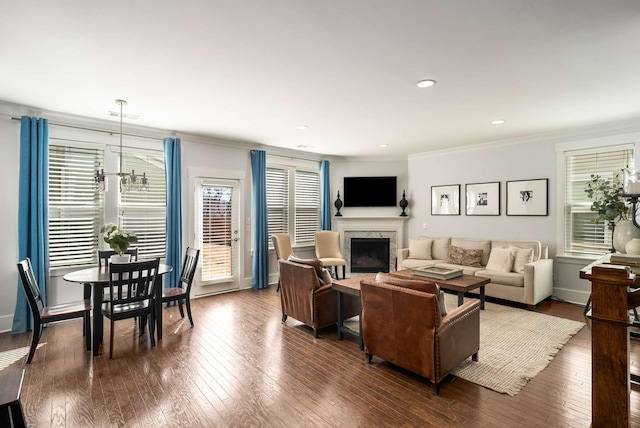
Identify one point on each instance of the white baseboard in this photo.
(571, 296)
(6, 322)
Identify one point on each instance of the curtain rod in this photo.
(293, 157)
(84, 128)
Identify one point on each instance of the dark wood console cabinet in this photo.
(610, 373)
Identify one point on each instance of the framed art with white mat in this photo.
(483, 198)
(528, 197)
(445, 200)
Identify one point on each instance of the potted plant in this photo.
(612, 208)
(118, 240)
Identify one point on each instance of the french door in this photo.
(217, 236)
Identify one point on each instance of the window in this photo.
(582, 235)
(145, 212)
(216, 231)
(76, 210)
(277, 200)
(307, 209)
(302, 186)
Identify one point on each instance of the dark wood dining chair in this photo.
(183, 291)
(131, 290)
(46, 314)
(103, 256)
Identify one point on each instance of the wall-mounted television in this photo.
(370, 191)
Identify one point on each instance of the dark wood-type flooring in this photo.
(240, 366)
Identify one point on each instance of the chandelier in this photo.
(129, 181)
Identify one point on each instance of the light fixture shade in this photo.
(144, 183)
(100, 181)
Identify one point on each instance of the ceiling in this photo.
(253, 71)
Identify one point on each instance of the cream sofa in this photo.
(528, 279)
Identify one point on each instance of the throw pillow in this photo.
(522, 257)
(439, 248)
(500, 260)
(420, 249)
(464, 256)
(317, 264)
(325, 277)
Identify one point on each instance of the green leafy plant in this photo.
(118, 240)
(607, 198)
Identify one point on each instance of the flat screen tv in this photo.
(370, 192)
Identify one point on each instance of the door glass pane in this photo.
(217, 234)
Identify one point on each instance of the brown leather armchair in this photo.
(402, 323)
(305, 297)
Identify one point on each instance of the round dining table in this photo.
(94, 279)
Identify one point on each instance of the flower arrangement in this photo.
(118, 240)
(607, 198)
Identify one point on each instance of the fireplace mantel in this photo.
(371, 227)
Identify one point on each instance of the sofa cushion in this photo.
(501, 259)
(504, 278)
(317, 264)
(439, 247)
(535, 245)
(420, 249)
(473, 244)
(464, 256)
(416, 284)
(522, 257)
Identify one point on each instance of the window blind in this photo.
(75, 208)
(277, 200)
(144, 213)
(307, 206)
(582, 235)
(217, 235)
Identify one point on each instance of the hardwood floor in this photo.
(240, 366)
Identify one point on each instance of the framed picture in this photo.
(483, 198)
(445, 200)
(528, 197)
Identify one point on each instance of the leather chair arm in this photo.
(458, 336)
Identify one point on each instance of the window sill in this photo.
(576, 259)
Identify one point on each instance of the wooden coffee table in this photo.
(462, 284)
(349, 286)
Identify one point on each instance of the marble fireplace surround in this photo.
(371, 227)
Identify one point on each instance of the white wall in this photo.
(367, 168)
(9, 172)
(489, 164)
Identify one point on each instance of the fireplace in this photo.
(370, 255)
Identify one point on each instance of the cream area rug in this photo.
(515, 345)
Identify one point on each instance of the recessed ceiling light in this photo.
(304, 146)
(498, 122)
(384, 145)
(426, 83)
(302, 127)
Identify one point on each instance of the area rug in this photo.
(515, 345)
